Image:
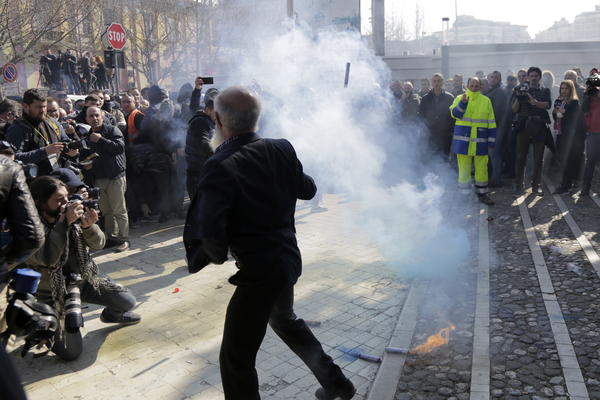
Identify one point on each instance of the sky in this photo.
(519, 12)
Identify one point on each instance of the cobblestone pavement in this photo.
(173, 352)
(526, 303)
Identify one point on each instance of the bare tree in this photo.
(419, 21)
(27, 26)
(167, 36)
(395, 27)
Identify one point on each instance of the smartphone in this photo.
(209, 80)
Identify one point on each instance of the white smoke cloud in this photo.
(347, 141)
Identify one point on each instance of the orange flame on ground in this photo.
(435, 341)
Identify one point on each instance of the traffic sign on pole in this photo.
(9, 72)
(116, 36)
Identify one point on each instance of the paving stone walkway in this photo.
(173, 352)
(523, 310)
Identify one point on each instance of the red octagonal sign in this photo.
(116, 36)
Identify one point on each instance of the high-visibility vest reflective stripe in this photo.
(132, 130)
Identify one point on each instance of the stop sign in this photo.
(116, 36)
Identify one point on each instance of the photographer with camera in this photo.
(530, 103)
(38, 139)
(26, 235)
(591, 110)
(69, 273)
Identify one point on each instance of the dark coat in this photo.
(111, 148)
(100, 73)
(17, 206)
(197, 149)
(245, 203)
(499, 102)
(410, 106)
(434, 112)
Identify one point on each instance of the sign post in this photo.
(116, 39)
(9, 72)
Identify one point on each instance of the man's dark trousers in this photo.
(248, 312)
(592, 157)
(524, 139)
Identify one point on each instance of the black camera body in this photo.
(92, 203)
(522, 91)
(93, 193)
(25, 316)
(81, 142)
(592, 84)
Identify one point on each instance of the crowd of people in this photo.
(88, 171)
(75, 75)
(490, 126)
(92, 168)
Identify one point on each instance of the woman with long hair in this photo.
(570, 134)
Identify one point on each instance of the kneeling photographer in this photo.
(530, 102)
(69, 273)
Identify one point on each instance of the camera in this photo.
(522, 90)
(73, 317)
(93, 193)
(25, 316)
(82, 132)
(592, 83)
(92, 203)
(30, 170)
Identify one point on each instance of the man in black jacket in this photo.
(499, 101)
(434, 112)
(109, 174)
(245, 204)
(197, 149)
(17, 210)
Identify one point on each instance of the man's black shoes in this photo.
(345, 392)
(127, 318)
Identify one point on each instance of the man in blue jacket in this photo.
(245, 205)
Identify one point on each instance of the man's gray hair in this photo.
(238, 109)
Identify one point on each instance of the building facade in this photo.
(585, 28)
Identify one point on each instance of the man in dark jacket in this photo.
(245, 204)
(434, 112)
(497, 95)
(197, 149)
(410, 102)
(69, 70)
(86, 71)
(530, 127)
(109, 174)
(38, 139)
(18, 214)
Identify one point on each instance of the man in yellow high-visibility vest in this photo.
(474, 135)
